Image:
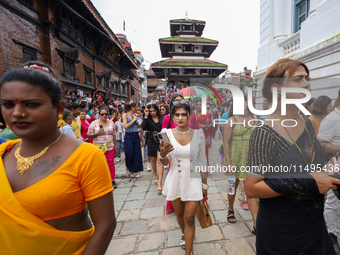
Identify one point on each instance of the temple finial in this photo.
(186, 15)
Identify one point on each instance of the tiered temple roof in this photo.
(187, 53)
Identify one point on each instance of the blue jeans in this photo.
(133, 152)
(120, 147)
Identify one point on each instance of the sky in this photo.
(234, 23)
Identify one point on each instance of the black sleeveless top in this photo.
(292, 223)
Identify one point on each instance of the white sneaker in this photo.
(118, 159)
(148, 167)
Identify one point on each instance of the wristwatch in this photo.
(205, 186)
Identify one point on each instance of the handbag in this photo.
(203, 215)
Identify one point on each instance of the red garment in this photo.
(115, 119)
(207, 132)
(85, 126)
(110, 157)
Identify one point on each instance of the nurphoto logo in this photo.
(238, 105)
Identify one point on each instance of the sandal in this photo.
(159, 189)
(135, 175)
(156, 182)
(253, 231)
(231, 216)
(182, 243)
(245, 206)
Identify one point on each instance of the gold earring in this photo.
(7, 128)
(61, 122)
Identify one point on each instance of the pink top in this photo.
(84, 128)
(193, 123)
(108, 135)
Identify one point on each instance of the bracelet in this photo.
(205, 186)
(160, 156)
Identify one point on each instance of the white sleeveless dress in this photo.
(184, 179)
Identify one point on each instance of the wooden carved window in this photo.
(28, 53)
(70, 59)
(88, 75)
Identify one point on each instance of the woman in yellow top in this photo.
(49, 181)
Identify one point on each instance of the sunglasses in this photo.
(184, 101)
(104, 114)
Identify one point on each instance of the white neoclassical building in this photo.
(308, 30)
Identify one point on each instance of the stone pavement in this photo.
(143, 228)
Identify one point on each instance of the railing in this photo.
(291, 44)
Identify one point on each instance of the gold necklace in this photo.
(24, 163)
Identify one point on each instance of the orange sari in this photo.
(21, 232)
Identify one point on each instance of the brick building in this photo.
(72, 38)
(153, 83)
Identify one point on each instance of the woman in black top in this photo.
(153, 124)
(290, 217)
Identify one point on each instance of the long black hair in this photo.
(154, 106)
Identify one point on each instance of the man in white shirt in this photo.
(329, 137)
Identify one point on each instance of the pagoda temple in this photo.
(187, 54)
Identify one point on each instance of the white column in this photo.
(281, 26)
(313, 6)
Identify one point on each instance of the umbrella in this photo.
(196, 91)
(192, 91)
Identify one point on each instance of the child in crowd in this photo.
(67, 129)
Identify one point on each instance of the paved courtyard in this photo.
(143, 228)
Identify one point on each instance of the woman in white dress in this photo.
(185, 184)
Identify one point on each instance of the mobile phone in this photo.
(101, 126)
(164, 136)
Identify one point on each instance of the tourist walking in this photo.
(133, 154)
(152, 123)
(184, 186)
(168, 122)
(104, 133)
(236, 135)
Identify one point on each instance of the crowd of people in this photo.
(67, 145)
